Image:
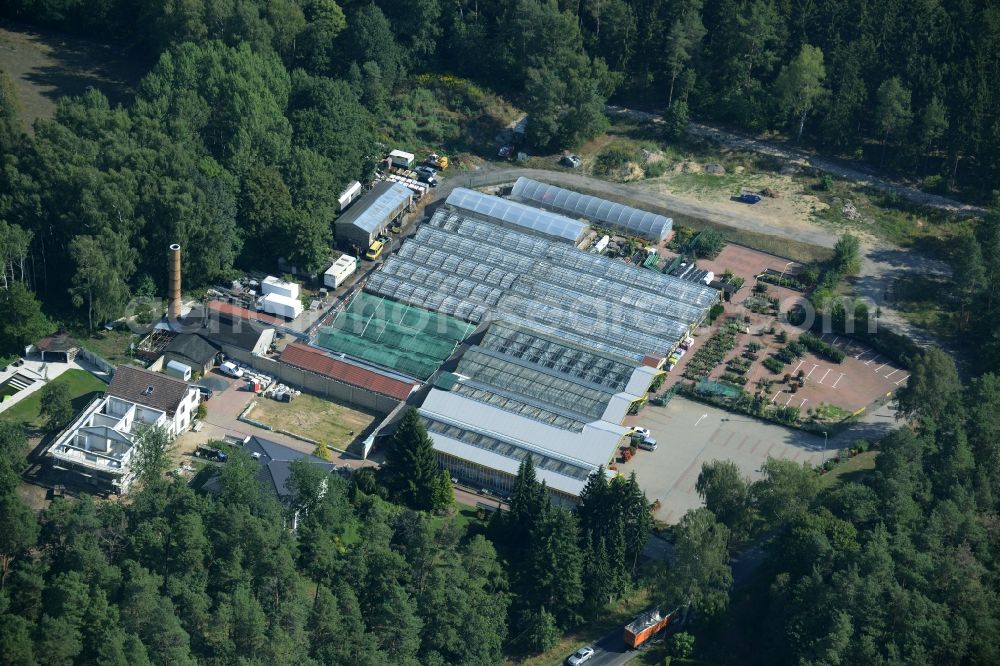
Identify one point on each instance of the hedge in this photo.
(820, 348)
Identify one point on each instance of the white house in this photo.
(98, 446)
(175, 398)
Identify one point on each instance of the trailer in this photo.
(647, 625)
(178, 370)
(401, 159)
(283, 306)
(341, 269)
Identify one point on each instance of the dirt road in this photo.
(636, 195)
(856, 172)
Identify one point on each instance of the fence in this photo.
(324, 387)
(101, 364)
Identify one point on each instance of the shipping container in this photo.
(272, 285)
(178, 370)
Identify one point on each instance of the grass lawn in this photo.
(81, 384)
(617, 617)
(112, 346)
(316, 418)
(853, 469)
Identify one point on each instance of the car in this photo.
(581, 656)
(396, 227)
(749, 198)
(639, 430)
(231, 369)
(426, 171)
(210, 453)
(375, 250)
(571, 161)
(505, 150)
(647, 444)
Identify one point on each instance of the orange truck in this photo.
(647, 625)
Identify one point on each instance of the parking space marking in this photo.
(804, 401)
(797, 367)
(775, 396)
(754, 449)
(866, 351)
(811, 371)
(892, 373)
(835, 339)
(881, 366)
(790, 396)
(700, 418)
(838, 380)
(902, 380)
(824, 375)
(873, 359)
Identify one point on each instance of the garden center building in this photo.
(531, 346)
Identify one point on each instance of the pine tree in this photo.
(444, 493)
(638, 520)
(411, 469)
(592, 511)
(526, 505)
(556, 565)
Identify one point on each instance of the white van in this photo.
(647, 443)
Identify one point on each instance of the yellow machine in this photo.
(375, 250)
(437, 161)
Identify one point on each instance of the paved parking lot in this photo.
(690, 433)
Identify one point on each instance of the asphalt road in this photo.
(611, 650)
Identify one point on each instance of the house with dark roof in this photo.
(177, 399)
(275, 462)
(221, 330)
(193, 351)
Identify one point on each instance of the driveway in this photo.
(690, 434)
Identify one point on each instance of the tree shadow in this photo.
(79, 65)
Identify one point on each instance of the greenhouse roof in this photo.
(640, 222)
(394, 335)
(497, 438)
(524, 217)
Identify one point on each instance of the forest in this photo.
(899, 567)
(372, 575)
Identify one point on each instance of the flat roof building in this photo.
(98, 446)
